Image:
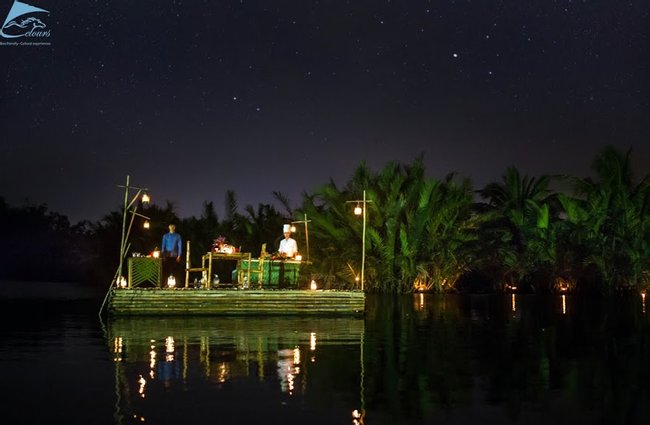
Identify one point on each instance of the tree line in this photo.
(422, 233)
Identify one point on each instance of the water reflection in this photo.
(513, 358)
(643, 300)
(415, 359)
(233, 364)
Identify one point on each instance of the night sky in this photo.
(192, 98)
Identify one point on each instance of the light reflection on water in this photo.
(236, 364)
(417, 359)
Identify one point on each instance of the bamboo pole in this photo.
(363, 242)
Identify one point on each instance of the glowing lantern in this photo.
(171, 282)
(121, 282)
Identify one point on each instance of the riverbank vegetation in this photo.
(422, 234)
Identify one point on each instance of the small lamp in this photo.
(156, 253)
(358, 210)
(298, 257)
(121, 282)
(313, 286)
(146, 224)
(145, 198)
(171, 281)
(292, 228)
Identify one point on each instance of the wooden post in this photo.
(307, 237)
(187, 264)
(363, 242)
(123, 239)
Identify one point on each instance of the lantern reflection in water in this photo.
(288, 369)
(357, 417)
(169, 349)
(223, 372)
(312, 341)
(152, 359)
(142, 383)
(152, 366)
(117, 348)
(419, 301)
(643, 301)
(312, 346)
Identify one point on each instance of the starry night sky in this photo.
(192, 98)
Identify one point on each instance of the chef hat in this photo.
(286, 228)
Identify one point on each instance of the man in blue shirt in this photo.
(171, 250)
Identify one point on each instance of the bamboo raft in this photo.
(234, 302)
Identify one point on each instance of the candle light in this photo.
(171, 281)
(121, 282)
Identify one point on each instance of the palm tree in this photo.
(610, 220)
(201, 231)
(334, 234)
(438, 234)
(261, 226)
(409, 219)
(516, 232)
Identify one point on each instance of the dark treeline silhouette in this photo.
(422, 233)
(43, 245)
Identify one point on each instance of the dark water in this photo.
(413, 360)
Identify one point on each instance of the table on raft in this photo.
(270, 273)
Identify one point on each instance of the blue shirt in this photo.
(172, 246)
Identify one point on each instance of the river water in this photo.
(417, 359)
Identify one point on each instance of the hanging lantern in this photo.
(145, 198)
(146, 224)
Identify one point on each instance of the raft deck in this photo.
(235, 302)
